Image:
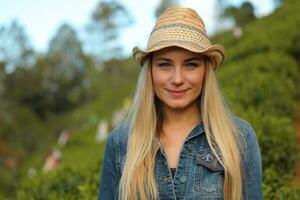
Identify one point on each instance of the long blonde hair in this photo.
(138, 178)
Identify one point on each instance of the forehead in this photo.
(175, 51)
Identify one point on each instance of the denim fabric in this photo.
(199, 175)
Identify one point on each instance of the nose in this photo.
(177, 76)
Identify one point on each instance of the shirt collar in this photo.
(197, 130)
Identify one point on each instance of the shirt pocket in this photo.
(209, 176)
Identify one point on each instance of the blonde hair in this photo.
(138, 179)
(222, 135)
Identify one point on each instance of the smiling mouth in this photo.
(177, 93)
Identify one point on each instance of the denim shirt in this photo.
(199, 174)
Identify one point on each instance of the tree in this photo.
(15, 49)
(63, 71)
(3, 105)
(241, 15)
(65, 52)
(2, 77)
(163, 5)
(55, 83)
(278, 2)
(108, 18)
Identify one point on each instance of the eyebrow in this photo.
(193, 59)
(163, 59)
(187, 60)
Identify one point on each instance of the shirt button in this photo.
(183, 179)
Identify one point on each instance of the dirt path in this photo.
(297, 126)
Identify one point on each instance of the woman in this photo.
(180, 141)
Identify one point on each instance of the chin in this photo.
(178, 105)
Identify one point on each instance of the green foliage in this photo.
(77, 178)
(278, 32)
(7, 178)
(278, 156)
(22, 135)
(275, 186)
(19, 130)
(74, 184)
(255, 80)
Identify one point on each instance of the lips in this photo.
(177, 93)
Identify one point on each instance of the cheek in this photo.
(158, 78)
(197, 81)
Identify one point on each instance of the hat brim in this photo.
(216, 53)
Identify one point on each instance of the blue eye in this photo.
(191, 65)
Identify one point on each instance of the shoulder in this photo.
(247, 133)
(118, 136)
(245, 128)
(248, 136)
(119, 130)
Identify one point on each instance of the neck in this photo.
(189, 116)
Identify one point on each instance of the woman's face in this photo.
(177, 77)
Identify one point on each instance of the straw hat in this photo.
(181, 27)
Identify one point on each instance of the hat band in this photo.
(180, 25)
(179, 33)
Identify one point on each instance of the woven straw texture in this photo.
(184, 28)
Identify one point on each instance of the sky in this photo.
(42, 18)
